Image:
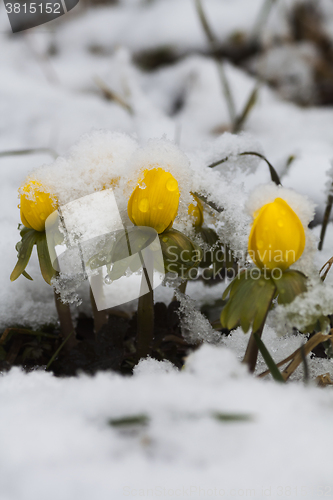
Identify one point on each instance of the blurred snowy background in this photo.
(145, 67)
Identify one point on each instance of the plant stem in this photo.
(145, 330)
(215, 48)
(62, 345)
(325, 221)
(21, 152)
(65, 318)
(181, 288)
(262, 18)
(274, 176)
(100, 317)
(296, 357)
(251, 354)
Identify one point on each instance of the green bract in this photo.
(251, 295)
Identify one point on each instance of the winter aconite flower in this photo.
(277, 237)
(196, 211)
(36, 205)
(154, 202)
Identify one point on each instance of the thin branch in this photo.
(211, 204)
(262, 18)
(110, 95)
(329, 264)
(325, 221)
(215, 48)
(296, 357)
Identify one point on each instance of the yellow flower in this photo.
(196, 211)
(154, 202)
(277, 237)
(35, 206)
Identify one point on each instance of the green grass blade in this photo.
(276, 374)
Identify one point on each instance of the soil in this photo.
(112, 348)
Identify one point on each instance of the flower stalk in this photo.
(66, 323)
(145, 325)
(251, 353)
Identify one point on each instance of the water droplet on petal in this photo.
(108, 280)
(172, 185)
(260, 244)
(160, 206)
(144, 205)
(165, 239)
(280, 223)
(42, 216)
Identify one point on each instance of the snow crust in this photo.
(56, 441)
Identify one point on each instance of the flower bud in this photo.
(277, 237)
(196, 211)
(179, 252)
(154, 202)
(35, 206)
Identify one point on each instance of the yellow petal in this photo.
(196, 211)
(277, 237)
(36, 206)
(154, 202)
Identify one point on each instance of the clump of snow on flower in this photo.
(301, 205)
(104, 159)
(228, 148)
(95, 162)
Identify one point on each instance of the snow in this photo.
(56, 441)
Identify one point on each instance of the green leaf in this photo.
(232, 417)
(291, 284)
(274, 176)
(263, 300)
(46, 268)
(252, 99)
(250, 298)
(129, 420)
(29, 237)
(131, 241)
(276, 374)
(26, 275)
